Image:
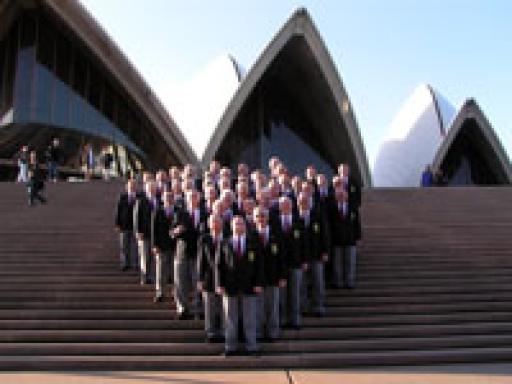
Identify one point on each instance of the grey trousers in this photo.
(162, 269)
(144, 248)
(289, 300)
(231, 306)
(344, 266)
(213, 316)
(128, 249)
(317, 287)
(350, 264)
(270, 312)
(185, 281)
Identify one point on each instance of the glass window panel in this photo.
(2, 70)
(63, 59)
(28, 31)
(80, 73)
(12, 49)
(95, 88)
(61, 104)
(46, 45)
(43, 94)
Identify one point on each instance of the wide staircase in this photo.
(435, 286)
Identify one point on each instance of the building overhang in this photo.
(471, 110)
(299, 28)
(74, 16)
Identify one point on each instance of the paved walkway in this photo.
(463, 374)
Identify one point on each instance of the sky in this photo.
(382, 49)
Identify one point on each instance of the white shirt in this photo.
(305, 217)
(265, 232)
(286, 220)
(235, 243)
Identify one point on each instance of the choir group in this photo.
(251, 253)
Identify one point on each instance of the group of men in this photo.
(251, 253)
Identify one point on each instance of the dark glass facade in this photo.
(292, 113)
(471, 159)
(52, 85)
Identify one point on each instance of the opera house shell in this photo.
(292, 103)
(429, 131)
(61, 75)
(416, 132)
(471, 153)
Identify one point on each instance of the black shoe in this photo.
(124, 268)
(218, 339)
(253, 353)
(158, 299)
(229, 353)
(184, 316)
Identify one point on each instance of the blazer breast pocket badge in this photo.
(274, 249)
(250, 256)
(296, 234)
(316, 227)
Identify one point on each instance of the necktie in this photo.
(263, 238)
(239, 247)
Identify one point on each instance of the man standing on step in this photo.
(124, 225)
(291, 237)
(163, 243)
(35, 183)
(315, 243)
(208, 256)
(53, 157)
(274, 276)
(189, 225)
(240, 279)
(145, 209)
(344, 224)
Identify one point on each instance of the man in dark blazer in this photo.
(345, 231)
(188, 227)
(209, 253)
(144, 211)
(316, 246)
(240, 279)
(274, 275)
(124, 225)
(350, 185)
(163, 243)
(290, 232)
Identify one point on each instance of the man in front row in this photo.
(163, 243)
(188, 226)
(208, 257)
(240, 279)
(274, 277)
(124, 225)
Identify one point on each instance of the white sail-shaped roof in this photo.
(198, 105)
(301, 33)
(414, 136)
(488, 142)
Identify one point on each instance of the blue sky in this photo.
(382, 49)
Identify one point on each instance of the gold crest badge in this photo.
(250, 256)
(316, 228)
(274, 249)
(296, 234)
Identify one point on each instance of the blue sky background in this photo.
(382, 49)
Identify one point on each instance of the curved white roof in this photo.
(497, 156)
(300, 24)
(414, 136)
(198, 105)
